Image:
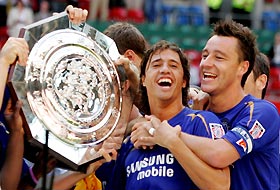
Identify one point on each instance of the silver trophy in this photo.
(69, 88)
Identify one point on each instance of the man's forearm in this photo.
(11, 171)
(203, 175)
(217, 153)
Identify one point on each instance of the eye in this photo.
(155, 64)
(219, 57)
(174, 65)
(204, 56)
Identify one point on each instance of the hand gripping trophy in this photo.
(70, 89)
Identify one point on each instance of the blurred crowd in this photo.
(19, 13)
(194, 12)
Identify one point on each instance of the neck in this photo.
(223, 102)
(127, 105)
(166, 111)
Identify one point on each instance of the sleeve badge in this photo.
(217, 130)
(257, 130)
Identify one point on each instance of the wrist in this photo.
(18, 132)
(173, 142)
(4, 63)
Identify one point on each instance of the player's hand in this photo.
(76, 15)
(15, 49)
(13, 118)
(114, 141)
(163, 133)
(140, 135)
(199, 99)
(108, 156)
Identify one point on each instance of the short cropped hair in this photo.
(247, 49)
(127, 36)
(262, 66)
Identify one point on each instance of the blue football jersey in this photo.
(253, 129)
(158, 168)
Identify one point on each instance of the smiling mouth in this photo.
(164, 82)
(209, 76)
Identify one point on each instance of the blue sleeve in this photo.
(4, 138)
(208, 125)
(25, 168)
(113, 174)
(105, 170)
(256, 128)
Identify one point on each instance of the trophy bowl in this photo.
(70, 89)
(73, 87)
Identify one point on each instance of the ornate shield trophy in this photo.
(69, 88)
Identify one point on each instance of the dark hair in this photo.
(142, 101)
(127, 36)
(262, 66)
(246, 39)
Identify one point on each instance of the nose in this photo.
(164, 68)
(206, 62)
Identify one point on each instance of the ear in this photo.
(261, 82)
(244, 67)
(184, 83)
(125, 86)
(130, 54)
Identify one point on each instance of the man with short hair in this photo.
(251, 144)
(257, 81)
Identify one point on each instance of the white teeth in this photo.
(209, 75)
(164, 80)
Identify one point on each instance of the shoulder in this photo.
(126, 147)
(261, 107)
(260, 115)
(207, 121)
(204, 115)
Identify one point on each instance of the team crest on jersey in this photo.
(257, 130)
(217, 130)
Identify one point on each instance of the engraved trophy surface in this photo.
(70, 87)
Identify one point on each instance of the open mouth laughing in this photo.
(165, 82)
(209, 75)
